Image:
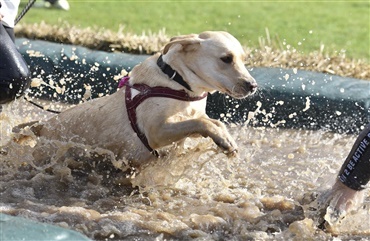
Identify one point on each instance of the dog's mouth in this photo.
(243, 88)
(242, 91)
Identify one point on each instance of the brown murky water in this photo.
(196, 194)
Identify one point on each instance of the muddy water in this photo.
(196, 194)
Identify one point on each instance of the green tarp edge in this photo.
(304, 99)
(286, 97)
(21, 229)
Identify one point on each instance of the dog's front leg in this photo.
(168, 133)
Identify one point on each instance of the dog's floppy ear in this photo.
(188, 42)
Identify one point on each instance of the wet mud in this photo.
(197, 193)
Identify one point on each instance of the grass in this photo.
(342, 26)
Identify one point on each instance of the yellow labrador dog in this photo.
(162, 102)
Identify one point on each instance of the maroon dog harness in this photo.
(146, 92)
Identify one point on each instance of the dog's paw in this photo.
(219, 134)
(227, 145)
(232, 153)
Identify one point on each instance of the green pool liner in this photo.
(22, 229)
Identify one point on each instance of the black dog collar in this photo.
(172, 74)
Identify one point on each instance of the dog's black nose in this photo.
(251, 86)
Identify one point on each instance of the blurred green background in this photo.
(341, 26)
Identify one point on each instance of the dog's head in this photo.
(211, 61)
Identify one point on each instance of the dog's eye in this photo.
(228, 59)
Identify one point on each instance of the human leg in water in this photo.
(349, 189)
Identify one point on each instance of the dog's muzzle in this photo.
(244, 89)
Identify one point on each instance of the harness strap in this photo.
(146, 92)
(131, 113)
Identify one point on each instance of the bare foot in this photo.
(339, 201)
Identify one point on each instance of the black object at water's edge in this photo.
(286, 98)
(14, 74)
